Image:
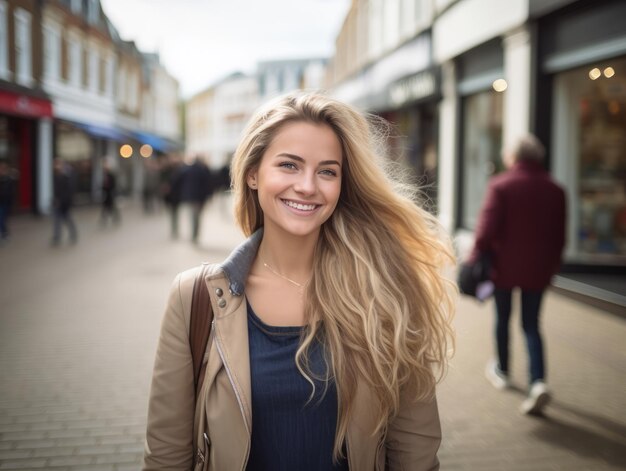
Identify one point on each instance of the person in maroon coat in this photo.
(522, 229)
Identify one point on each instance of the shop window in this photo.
(481, 150)
(590, 158)
(23, 51)
(412, 143)
(76, 147)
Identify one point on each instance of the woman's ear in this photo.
(252, 180)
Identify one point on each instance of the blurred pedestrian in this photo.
(150, 185)
(331, 322)
(64, 189)
(521, 228)
(8, 185)
(109, 189)
(170, 181)
(221, 186)
(196, 188)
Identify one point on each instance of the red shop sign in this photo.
(23, 105)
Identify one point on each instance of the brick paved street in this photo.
(78, 330)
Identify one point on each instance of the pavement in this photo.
(79, 326)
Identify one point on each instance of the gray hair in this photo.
(528, 147)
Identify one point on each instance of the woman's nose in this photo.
(306, 184)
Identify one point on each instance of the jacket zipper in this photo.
(237, 395)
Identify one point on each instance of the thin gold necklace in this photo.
(299, 285)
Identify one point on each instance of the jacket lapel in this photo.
(230, 332)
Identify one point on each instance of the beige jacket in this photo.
(220, 424)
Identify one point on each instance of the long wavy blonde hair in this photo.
(377, 299)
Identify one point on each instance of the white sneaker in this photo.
(538, 397)
(496, 377)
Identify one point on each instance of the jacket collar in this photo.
(529, 165)
(238, 264)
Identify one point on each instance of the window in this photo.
(76, 62)
(4, 42)
(375, 29)
(52, 52)
(589, 141)
(77, 6)
(132, 93)
(121, 86)
(391, 23)
(93, 74)
(23, 52)
(481, 149)
(93, 12)
(109, 75)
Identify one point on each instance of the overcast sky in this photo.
(200, 41)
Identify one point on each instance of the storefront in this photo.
(21, 111)
(85, 146)
(411, 107)
(480, 87)
(583, 59)
(403, 87)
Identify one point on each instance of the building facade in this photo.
(25, 108)
(217, 116)
(384, 64)
(502, 69)
(71, 89)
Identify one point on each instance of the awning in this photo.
(158, 143)
(105, 132)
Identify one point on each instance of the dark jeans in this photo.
(63, 216)
(4, 216)
(531, 303)
(109, 211)
(196, 212)
(173, 208)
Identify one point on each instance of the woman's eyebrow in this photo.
(300, 159)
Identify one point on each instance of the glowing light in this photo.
(595, 73)
(126, 151)
(500, 85)
(146, 151)
(609, 72)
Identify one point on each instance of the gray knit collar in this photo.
(238, 264)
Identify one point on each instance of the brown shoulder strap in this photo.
(199, 326)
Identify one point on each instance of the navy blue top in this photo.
(287, 432)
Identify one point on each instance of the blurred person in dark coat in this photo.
(522, 230)
(196, 187)
(151, 182)
(64, 189)
(170, 181)
(109, 188)
(8, 183)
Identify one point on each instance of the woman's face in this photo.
(299, 178)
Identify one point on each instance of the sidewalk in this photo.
(79, 325)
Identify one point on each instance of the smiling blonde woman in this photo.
(331, 322)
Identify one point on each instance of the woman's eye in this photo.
(289, 165)
(329, 172)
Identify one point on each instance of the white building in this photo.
(217, 116)
(85, 74)
(282, 76)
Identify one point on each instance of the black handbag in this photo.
(472, 275)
